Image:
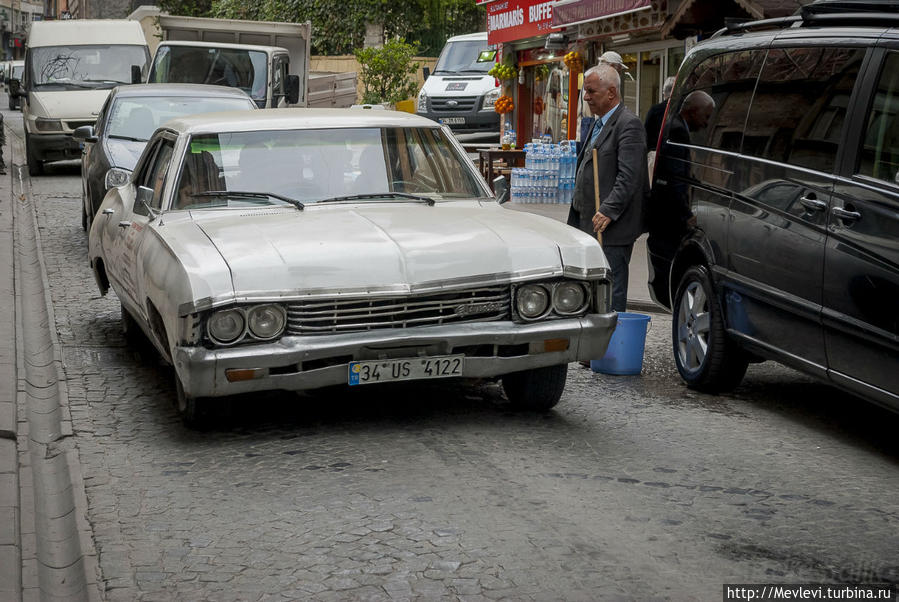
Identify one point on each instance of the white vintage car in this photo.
(295, 249)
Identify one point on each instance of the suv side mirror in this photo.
(84, 133)
(136, 76)
(293, 89)
(142, 198)
(426, 71)
(501, 189)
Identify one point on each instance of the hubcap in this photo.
(693, 324)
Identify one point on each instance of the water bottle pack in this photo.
(548, 173)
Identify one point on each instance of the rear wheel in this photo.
(35, 165)
(538, 389)
(705, 356)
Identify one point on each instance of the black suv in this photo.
(774, 219)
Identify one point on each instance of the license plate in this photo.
(456, 86)
(453, 120)
(419, 368)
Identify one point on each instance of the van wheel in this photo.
(706, 358)
(538, 389)
(12, 103)
(195, 412)
(35, 165)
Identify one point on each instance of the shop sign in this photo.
(509, 20)
(578, 11)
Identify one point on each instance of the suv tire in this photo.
(537, 389)
(705, 356)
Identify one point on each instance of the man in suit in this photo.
(656, 113)
(620, 142)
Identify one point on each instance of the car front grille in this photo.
(453, 103)
(331, 316)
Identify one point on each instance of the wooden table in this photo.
(487, 157)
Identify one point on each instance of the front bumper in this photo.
(310, 362)
(54, 147)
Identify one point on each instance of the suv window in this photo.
(729, 79)
(800, 103)
(879, 157)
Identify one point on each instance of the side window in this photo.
(154, 173)
(879, 156)
(799, 106)
(279, 75)
(715, 99)
(101, 117)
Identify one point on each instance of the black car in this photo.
(774, 220)
(128, 119)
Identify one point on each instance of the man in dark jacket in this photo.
(620, 142)
(656, 114)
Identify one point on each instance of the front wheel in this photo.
(705, 357)
(35, 165)
(538, 389)
(195, 412)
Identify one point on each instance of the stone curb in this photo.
(56, 548)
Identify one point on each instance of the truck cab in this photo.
(459, 93)
(260, 71)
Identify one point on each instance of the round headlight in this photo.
(226, 326)
(569, 297)
(532, 301)
(116, 177)
(266, 321)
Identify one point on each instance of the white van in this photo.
(70, 67)
(260, 71)
(459, 93)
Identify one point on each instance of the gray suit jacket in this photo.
(623, 180)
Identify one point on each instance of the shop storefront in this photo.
(543, 89)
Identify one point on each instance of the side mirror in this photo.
(15, 87)
(293, 89)
(501, 189)
(136, 75)
(85, 133)
(426, 71)
(144, 196)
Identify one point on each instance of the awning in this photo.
(573, 12)
(691, 17)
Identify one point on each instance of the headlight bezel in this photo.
(490, 99)
(45, 124)
(247, 334)
(554, 309)
(114, 175)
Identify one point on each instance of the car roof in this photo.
(481, 35)
(295, 118)
(133, 90)
(221, 45)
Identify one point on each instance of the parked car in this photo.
(13, 71)
(774, 218)
(302, 248)
(127, 120)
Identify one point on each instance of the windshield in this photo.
(138, 118)
(97, 66)
(234, 67)
(323, 165)
(462, 57)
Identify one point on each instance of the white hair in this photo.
(607, 74)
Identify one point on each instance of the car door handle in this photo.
(813, 204)
(108, 211)
(845, 215)
(124, 225)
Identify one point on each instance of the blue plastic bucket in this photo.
(625, 352)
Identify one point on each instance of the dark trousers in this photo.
(619, 256)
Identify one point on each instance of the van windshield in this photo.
(90, 66)
(234, 67)
(462, 57)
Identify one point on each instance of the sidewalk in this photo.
(638, 298)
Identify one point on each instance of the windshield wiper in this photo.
(114, 82)
(131, 138)
(65, 83)
(380, 195)
(252, 195)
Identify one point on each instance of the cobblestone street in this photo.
(632, 488)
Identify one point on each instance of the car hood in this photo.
(67, 104)
(392, 247)
(124, 153)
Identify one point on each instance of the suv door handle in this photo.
(845, 215)
(108, 211)
(124, 225)
(813, 204)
